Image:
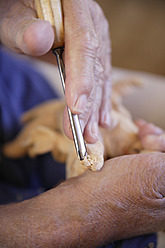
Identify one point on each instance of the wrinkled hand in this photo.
(127, 197)
(124, 199)
(87, 55)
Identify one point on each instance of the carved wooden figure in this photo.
(43, 132)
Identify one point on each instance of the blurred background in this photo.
(137, 29)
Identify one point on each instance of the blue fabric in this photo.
(21, 88)
(143, 241)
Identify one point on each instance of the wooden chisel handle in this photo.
(51, 11)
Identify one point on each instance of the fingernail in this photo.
(94, 129)
(81, 104)
(106, 119)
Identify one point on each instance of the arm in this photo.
(87, 55)
(124, 199)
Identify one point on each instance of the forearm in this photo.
(61, 217)
(57, 218)
(37, 223)
(124, 199)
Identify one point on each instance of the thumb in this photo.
(36, 38)
(21, 31)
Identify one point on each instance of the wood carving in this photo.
(43, 132)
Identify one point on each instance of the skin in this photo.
(152, 137)
(87, 55)
(128, 200)
(124, 199)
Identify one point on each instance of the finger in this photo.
(146, 128)
(154, 142)
(23, 32)
(104, 54)
(80, 50)
(91, 132)
(83, 118)
(37, 38)
(105, 117)
(105, 110)
(89, 127)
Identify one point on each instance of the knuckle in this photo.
(88, 39)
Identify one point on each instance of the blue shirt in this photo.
(21, 88)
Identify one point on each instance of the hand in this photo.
(151, 136)
(87, 55)
(124, 199)
(127, 197)
(88, 70)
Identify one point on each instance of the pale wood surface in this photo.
(51, 11)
